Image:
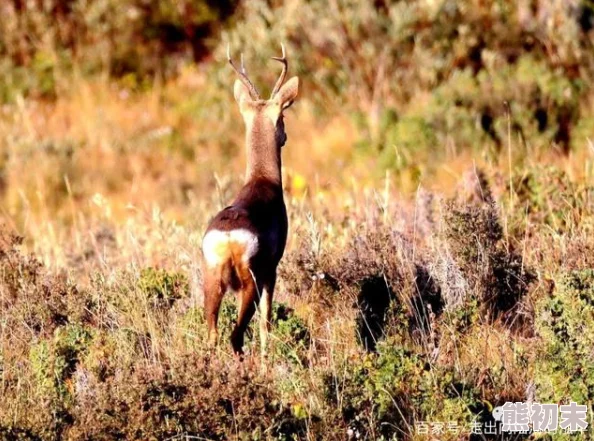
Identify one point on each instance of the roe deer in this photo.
(244, 242)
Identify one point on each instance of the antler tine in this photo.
(281, 78)
(243, 75)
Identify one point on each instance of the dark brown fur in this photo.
(259, 208)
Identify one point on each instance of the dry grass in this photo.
(415, 291)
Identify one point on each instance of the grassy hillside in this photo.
(439, 179)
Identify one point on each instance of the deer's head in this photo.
(264, 118)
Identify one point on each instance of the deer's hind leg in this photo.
(215, 287)
(266, 311)
(247, 298)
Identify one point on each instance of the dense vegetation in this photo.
(439, 178)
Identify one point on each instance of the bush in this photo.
(291, 337)
(565, 325)
(385, 394)
(36, 303)
(131, 39)
(193, 398)
(496, 274)
(460, 62)
(163, 288)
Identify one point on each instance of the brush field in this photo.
(439, 179)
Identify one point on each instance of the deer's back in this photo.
(253, 228)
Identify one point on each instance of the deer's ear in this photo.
(241, 92)
(288, 92)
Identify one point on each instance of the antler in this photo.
(243, 75)
(283, 74)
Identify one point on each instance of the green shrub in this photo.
(565, 325)
(290, 335)
(54, 362)
(384, 394)
(162, 288)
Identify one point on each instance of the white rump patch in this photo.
(215, 245)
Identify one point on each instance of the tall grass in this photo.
(440, 248)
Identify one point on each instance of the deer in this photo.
(244, 243)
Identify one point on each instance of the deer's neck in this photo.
(263, 155)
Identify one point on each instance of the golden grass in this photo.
(104, 182)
